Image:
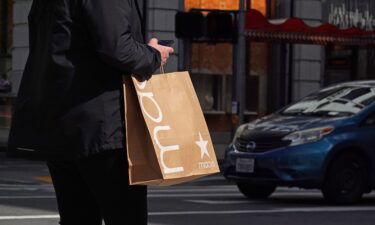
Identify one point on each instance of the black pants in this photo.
(96, 188)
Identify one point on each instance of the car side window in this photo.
(370, 120)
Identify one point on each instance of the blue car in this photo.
(324, 141)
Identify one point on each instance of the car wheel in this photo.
(252, 191)
(345, 181)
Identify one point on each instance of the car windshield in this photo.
(336, 101)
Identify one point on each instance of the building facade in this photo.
(307, 68)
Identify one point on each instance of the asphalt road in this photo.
(26, 198)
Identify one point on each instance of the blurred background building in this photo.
(277, 73)
(6, 43)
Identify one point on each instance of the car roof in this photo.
(360, 83)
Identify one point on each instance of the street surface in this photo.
(27, 198)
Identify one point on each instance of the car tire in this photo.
(345, 182)
(252, 191)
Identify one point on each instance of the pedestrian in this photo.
(69, 110)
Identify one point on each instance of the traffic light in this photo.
(220, 26)
(189, 25)
(217, 26)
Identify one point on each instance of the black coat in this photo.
(70, 101)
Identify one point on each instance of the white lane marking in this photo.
(36, 217)
(269, 211)
(28, 197)
(222, 212)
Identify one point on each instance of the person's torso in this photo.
(68, 96)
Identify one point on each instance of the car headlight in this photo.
(307, 136)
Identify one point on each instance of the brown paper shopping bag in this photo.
(168, 141)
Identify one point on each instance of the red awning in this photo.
(295, 30)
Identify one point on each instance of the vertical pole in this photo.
(289, 95)
(187, 54)
(240, 63)
(248, 4)
(239, 71)
(182, 45)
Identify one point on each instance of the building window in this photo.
(256, 79)
(6, 35)
(212, 67)
(211, 71)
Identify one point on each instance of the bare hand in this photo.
(164, 50)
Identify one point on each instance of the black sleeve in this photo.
(109, 22)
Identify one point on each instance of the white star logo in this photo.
(203, 146)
